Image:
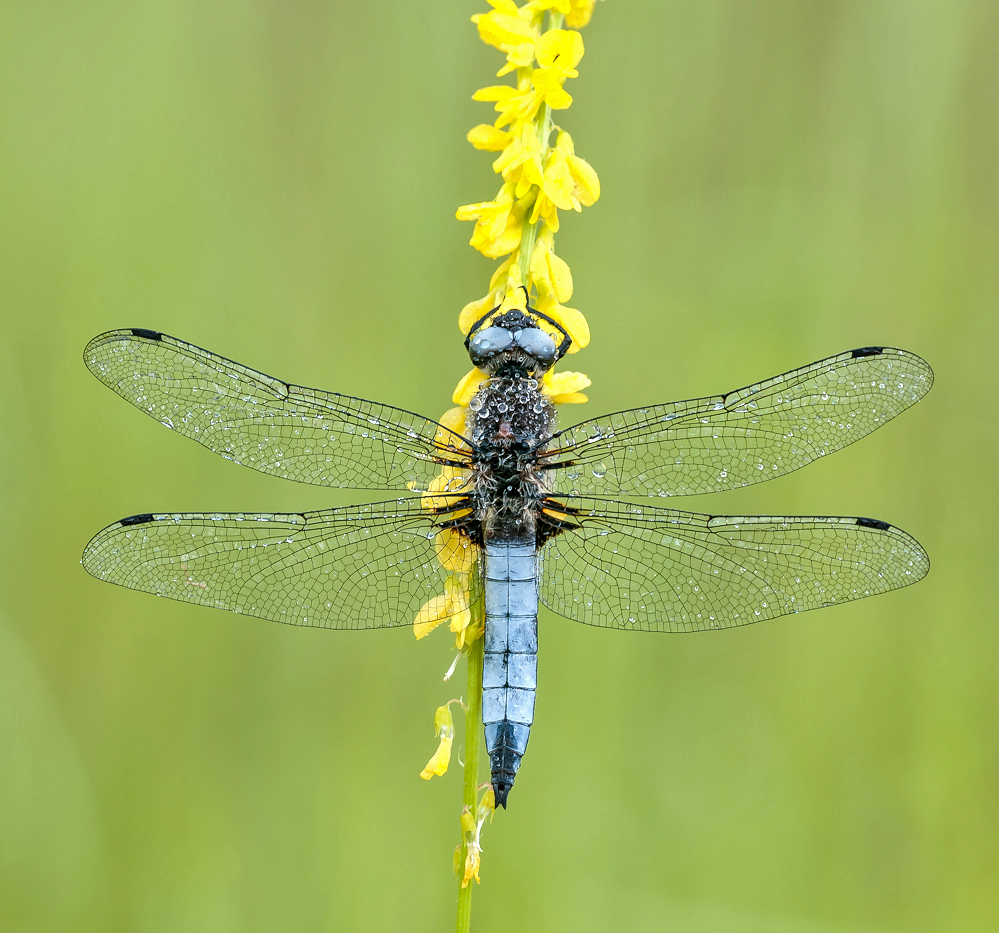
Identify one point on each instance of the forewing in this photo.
(658, 570)
(358, 567)
(744, 437)
(285, 430)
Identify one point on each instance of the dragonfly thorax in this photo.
(507, 420)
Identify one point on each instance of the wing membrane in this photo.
(285, 430)
(658, 570)
(745, 437)
(359, 567)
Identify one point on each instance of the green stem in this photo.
(473, 740)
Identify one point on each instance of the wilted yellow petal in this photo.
(468, 386)
(444, 727)
(473, 859)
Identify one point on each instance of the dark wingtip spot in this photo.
(146, 334)
(137, 519)
(868, 351)
(873, 523)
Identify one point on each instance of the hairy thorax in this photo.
(507, 419)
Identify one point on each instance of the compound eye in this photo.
(535, 342)
(487, 343)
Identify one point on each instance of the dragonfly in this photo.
(544, 516)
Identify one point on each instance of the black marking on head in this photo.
(137, 519)
(873, 523)
(868, 351)
(146, 334)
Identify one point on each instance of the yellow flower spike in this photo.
(489, 138)
(444, 728)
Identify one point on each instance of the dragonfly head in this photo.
(514, 343)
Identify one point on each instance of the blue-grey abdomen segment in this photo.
(510, 664)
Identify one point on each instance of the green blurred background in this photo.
(277, 181)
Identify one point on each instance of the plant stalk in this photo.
(473, 740)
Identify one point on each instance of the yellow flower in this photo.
(559, 51)
(586, 185)
(563, 388)
(454, 552)
(513, 104)
(488, 137)
(469, 385)
(454, 420)
(579, 13)
(520, 162)
(549, 272)
(453, 602)
(507, 27)
(444, 728)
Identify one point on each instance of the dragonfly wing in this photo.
(651, 569)
(744, 437)
(285, 430)
(358, 567)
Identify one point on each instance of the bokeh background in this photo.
(277, 181)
